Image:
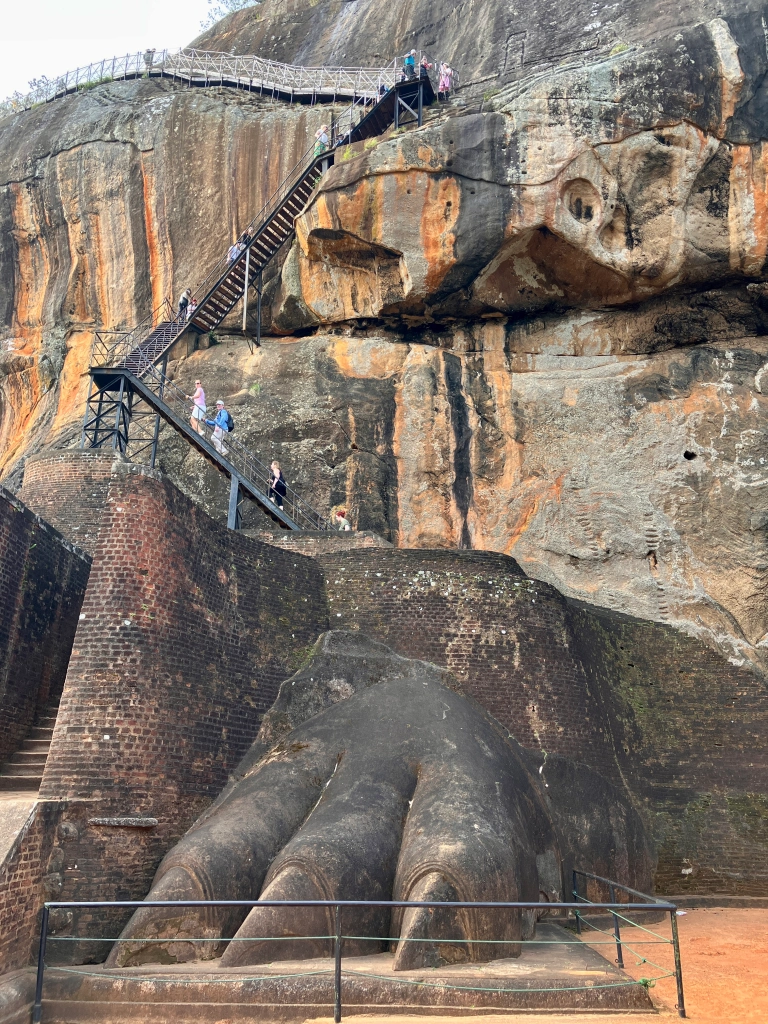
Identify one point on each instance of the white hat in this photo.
(219, 401)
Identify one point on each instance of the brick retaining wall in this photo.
(186, 631)
(42, 583)
(69, 489)
(640, 701)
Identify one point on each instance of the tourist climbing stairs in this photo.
(24, 769)
(128, 368)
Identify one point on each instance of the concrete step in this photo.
(20, 782)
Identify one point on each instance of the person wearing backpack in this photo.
(222, 424)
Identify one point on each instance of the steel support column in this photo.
(234, 517)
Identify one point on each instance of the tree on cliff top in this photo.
(219, 9)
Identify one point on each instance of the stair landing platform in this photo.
(546, 977)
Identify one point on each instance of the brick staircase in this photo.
(23, 772)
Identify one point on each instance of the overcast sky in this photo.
(47, 37)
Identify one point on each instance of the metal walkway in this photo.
(205, 68)
(129, 391)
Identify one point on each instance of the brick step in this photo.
(41, 732)
(20, 782)
(38, 757)
(31, 744)
(16, 769)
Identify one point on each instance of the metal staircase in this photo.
(130, 392)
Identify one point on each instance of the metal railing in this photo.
(211, 67)
(617, 911)
(233, 453)
(337, 937)
(119, 351)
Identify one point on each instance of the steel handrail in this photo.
(190, 63)
(132, 341)
(246, 463)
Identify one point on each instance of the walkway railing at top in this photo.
(211, 66)
(337, 937)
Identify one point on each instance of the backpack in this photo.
(230, 422)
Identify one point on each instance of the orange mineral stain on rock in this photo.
(748, 208)
(32, 268)
(438, 221)
(365, 359)
(158, 243)
(423, 447)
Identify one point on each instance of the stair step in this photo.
(41, 732)
(20, 782)
(28, 771)
(32, 757)
(36, 744)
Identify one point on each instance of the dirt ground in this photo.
(725, 974)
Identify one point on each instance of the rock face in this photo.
(538, 321)
(390, 786)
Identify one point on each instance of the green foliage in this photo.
(255, 389)
(219, 9)
(86, 86)
(490, 94)
(370, 143)
(619, 48)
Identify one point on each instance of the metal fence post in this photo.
(616, 932)
(678, 964)
(337, 969)
(575, 891)
(38, 1007)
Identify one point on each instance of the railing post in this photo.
(576, 899)
(37, 1011)
(245, 284)
(616, 932)
(678, 964)
(233, 518)
(87, 410)
(160, 393)
(337, 969)
(258, 310)
(118, 413)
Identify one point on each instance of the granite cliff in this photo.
(535, 325)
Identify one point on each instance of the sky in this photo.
(48, 37)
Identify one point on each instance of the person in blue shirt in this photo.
(409, 64)
(220, 427)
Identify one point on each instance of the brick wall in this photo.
(42, 583)
(504, 636)
(186, 631)
(312, 543)
(637, 700)
(69, 490)
(22, 887)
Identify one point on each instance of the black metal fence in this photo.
(574, 910)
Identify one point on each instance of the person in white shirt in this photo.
(198, 408)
